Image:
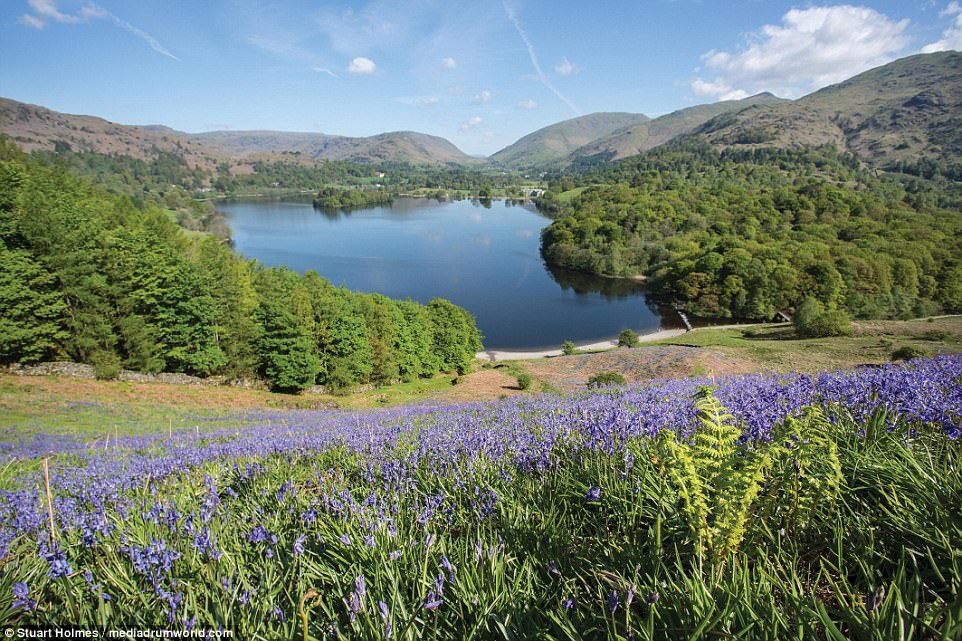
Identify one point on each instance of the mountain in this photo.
(34, 127)
(397, 146)
(555, 142)
(639, 137)
(908, 110)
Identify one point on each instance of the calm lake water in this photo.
(484, 258)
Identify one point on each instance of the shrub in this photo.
(908, 352)
(627, 338)
(524, 380)
(813, 320)
(603, 379)
(568, 348)
(106, 366)
(934, 335)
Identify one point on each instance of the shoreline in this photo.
(497, 355)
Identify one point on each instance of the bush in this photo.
(604, 379)
(908, 352)
(627, 338)
(813, 320)
(934, 335)
(106, 366)
(524, 380)
(568, 348)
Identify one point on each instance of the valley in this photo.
(692, 374)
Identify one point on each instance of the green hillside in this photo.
(639, 137)
(555, 142)
(907, 110)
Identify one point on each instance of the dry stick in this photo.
(46, 482)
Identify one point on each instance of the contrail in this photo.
(534, 58)
(92, 10)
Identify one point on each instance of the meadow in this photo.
(775, 506)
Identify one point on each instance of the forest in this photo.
(744, 234)
(93, 276)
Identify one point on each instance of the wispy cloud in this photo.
(471, 123)
(449, 64)
(566, 67)
(362, 66)
(419, 101)
(325, 70)
(951, 37)
(482, 97)
(43, 12)
(527, 104)
(810, 49)
(513, 17)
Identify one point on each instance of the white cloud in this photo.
(719, 89)
(951, 37)
(471, 123)
(419, 101)
(527, 104)
(449, 64)
(46, 11)
(810, 49)
(483, 96)
(32, 21)
(513, 17)
(362, 66)
(566, 67)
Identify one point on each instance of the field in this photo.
(773, 506)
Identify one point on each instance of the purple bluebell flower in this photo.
(21, 597)
(613, 601)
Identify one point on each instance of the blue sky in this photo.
(480, 73)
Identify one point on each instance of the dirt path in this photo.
(495, 355)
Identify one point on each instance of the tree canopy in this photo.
(744, 234)
(95, 277)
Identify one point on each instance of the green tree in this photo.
(813, 320)
(628, 338)
(31, 325)
(456, 338)
(286, 352)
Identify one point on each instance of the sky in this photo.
(481, 74)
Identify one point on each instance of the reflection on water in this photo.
(582, 283)
(483, 256)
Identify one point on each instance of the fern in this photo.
(809, 477)
(719, 483)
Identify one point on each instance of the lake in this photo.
(485, 258)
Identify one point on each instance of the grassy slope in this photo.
(637, 138)
(555, 142)
(907, 109)
(775, 347)
(63, 404)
